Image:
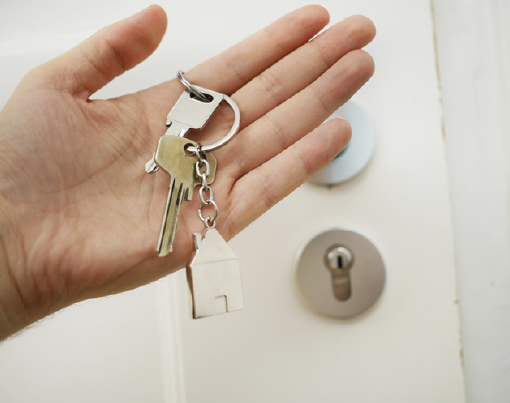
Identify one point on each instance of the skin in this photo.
(80, 218)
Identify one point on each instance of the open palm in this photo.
(81, 218)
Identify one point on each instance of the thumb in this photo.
(108, 53)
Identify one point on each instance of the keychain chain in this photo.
(209, 221)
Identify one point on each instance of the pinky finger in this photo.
(260, 189)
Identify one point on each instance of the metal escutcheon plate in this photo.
(367, 274)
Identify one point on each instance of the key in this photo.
(191, 113)
(214, 276)
(188, 113)
(173, 159)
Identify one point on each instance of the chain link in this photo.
(203, 170)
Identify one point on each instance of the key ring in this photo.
(191, 88)
(233, 130)
(202, 94)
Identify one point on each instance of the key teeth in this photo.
(197, 240)
(164, 253)
(169, 249)
(166, 250)
(188, 195)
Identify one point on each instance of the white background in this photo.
(141, 346)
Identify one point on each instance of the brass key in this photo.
(172, 158)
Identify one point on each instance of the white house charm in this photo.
(214, 276)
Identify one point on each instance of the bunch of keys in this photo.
(213, 272)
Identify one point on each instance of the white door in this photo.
(142, 345)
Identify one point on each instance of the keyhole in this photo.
(339, 260)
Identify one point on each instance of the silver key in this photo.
(188, 113)
(191, 113)
(172, 158)
(214, 276)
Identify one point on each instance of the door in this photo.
(142, 345)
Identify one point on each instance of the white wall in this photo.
(473, 38)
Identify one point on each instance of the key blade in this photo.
(191, 112)
(172, 158)
(170, 224)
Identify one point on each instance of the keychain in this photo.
(213, 272)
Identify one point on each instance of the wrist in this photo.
(13, 316)
(24, 294)
(13, 313)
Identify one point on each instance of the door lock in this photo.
(340, 273)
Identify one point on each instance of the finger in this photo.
(290, 75)
(263, 187)
(302, 67)
(109, 53)
(293, 119)
(232, 69)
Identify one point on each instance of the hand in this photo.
(80, 218)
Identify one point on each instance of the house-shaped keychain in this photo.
(214, 276)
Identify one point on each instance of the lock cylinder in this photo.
(338, 260)
(340, 273)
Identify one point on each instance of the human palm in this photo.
(81, 218)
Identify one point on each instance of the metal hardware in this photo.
(187, 113)
(340, 273)
(338, 260)
(214, 276)
(191, 88)
(210, 221)
(173, 159)
(172, 156)
(190, 113)
(213, 272)
(231, 133)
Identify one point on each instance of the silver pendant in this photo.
(214, 276)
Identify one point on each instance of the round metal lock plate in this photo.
(317, 279)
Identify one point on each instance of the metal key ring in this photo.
(232, 132)
(191, 88)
